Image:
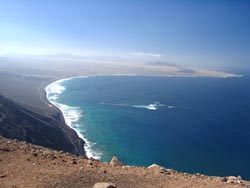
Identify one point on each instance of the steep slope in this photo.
(17, 122)
(30, 166)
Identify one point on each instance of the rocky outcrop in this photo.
(158, 169)
(233, 179)
(104, 185)
(115, 161)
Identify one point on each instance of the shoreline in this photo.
(69, 121)
(29, 116)
(44, 95)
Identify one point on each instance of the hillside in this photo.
(18, 122)
(31, 166)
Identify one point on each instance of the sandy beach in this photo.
(24, 84)
(26, 98)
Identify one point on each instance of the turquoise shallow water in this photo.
(189, 124)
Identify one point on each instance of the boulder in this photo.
(104, 185)
(154, 166)
(158, 169)
(115, 162)
(239, 178)
(233, 179)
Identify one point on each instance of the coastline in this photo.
(45, 105)
(67, 118)
(64, 116)
(28, 116)
(60, 106)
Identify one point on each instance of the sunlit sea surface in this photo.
(188, 124)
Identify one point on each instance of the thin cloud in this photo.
(146, 54)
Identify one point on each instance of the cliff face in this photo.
(18, 122)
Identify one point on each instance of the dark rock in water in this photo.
(18, 122)
(115, 162)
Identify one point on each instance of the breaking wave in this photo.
(71, 115)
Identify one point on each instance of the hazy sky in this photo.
(202, 33)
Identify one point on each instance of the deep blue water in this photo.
(193, 124)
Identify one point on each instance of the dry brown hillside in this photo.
(25, 165)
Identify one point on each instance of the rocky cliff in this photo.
(22, 123)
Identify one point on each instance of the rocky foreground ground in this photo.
(30, 166)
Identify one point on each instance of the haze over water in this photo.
(189, 124)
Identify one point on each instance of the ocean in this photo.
(194, 125)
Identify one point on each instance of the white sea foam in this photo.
(71, 115)
(55, 87)
(153, 106)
